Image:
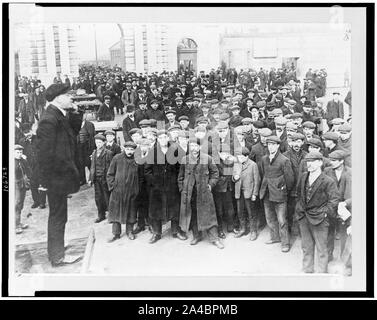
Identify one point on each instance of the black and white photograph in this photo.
(190, 144)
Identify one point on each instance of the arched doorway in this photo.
(187, 50)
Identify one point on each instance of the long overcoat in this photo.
(56, 150)
(202, 174)
(161, 174)
(124, 179)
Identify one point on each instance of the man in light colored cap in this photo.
(101, 159)
(343, 177)
(278, 180)
(184, 122)
(171, 115)
(318, 200)
(296, 155)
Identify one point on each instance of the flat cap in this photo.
(99, 136)
(134, 130)
(109, 132)
(265, 132)
(130, 107)
(141, 91)
(154, 101)
(144, 142)
(337, 155)
(142, 102)
(308, 104)
(277, 112)
(179, 99)
(183, 118)
(130, 144)
(174, 128)
(261, 104)
(234, 107)
(18, 147)
(222, 125)
(189, 99)
(224, 116)
(296, 115)
(337, 121)
(330, 136)
(291, 126)
(162, 131)
(202, 119)
(345, 128)
(258, 124)
(153, 123)
(315, 142)
(145, 123)
(314, 155)
(106, 97)
(274, 139)
(247, 121)
(297, 136)
(205, 106)
(292, 102)
(55, 90)
(170, 111)
(308, 124)
(280, 121)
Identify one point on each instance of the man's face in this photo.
(297, 121)
(143, 106)
(250, 95)
(254, 112)
(280, 128)
(222, 133)
(308, 131)
(313, 148)
(236, 112)
(202, 124)
(99, 143)
(249, 103)
(307, 109)
(314, 165)
(189, 104)
(18, 154)
(297, 144)
(194, 147)
(109, 138)
(163, 139)
(128, 86)
(240, 136)
(170, 117)
(129, 151)
(328, 143)
(248, 127)
(182, 141)
(136, 137)
(65, 100)
(336, 163)
(242, 158)
(272, 147)
(344, 135)
(336, 97)
(107, 101)
(154, 106)
(179, 103)
(184, 124)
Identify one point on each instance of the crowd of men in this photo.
(224, 153)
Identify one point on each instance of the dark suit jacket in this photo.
(334, 110)
(127, 125)
(278, 178)
(323, 202)
(56, 148)
(129, 99)
(105, 113)
(108, 157)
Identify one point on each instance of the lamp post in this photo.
(122, 48)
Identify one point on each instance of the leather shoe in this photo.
(180, 236)
(131, 236)
(218, 244)
(222, 235)
(35, 205)
(24, 226)
(253, 236)
(285, 249)
(42, 206)
(68, 259)
(98, 220)
(195, 241)
(155, 238)
(19, 230)
(271, 241)
(138, 229)
(240, 233)
(116, 237)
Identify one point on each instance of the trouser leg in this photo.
(229, 210)
(42, 197)
(217, 196)
(271, 219)
(194, 215)
(34, 191)
(346, 256)
(213, 234)
(252, 214)
(116, 228)
(156, 226)
(291, 211)
(240, 211)
(56, 225)
(81, 154)
(331, 238)
(307, 245)
(281, 213)
(343, 236)
(100, 198)
(320, 235)
(20, 194)
(174, 226)
(129, 227)
(261, 216)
